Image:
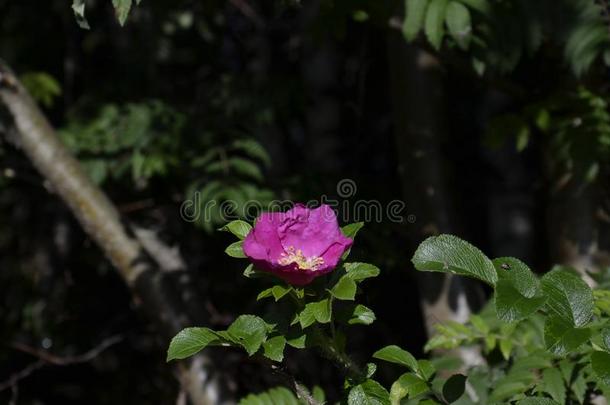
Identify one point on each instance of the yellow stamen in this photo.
(297, 256)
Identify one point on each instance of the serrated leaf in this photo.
(239, 228)
(250, 331)
(361, 271)
(425, 369)
(511, 306)
(362, 316)
(454, 387)
(236, 250)
(190, 341)
(315, 312)
(605, 335)
(459, 23)
(569, 297)
(297, 342)
(414, 18)
(274, 348)
(561, 338)
(407, 384)
(369, 392)
(277, 292)
(600, 362)
(519, 275)
(274, 396)
(395, 354)
(345, 289)
(351, 230)
(434, 24)
(537, 401)
(449, 254)
(122, 8)
(552, 384)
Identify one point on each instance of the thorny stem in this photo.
(329, 347)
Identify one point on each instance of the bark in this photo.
(417, 94)
(155, 289)
(578, 226)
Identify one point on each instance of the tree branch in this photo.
(101, 221)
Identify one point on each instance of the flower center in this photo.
(293, 255)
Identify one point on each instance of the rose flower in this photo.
(297, 245)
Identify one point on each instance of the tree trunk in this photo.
(417, 97)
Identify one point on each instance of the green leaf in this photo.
(274, 396)
(407, 384)
(425, 369)
(315, 312)
(449, 254)
(236, 250)
(434, 25)
(345, 289)
(569, 297)
(395, 354)
(479, 324)
(511, 306)
(274, 348)
(253, 149)
(414, 19)
(190, 341)
(239, 228)
(537, 401)
(361, 271)
(561, 338)
(459, 24)
(351, 230)
(250, 331)
(277, 292)
(369, 392)
(246, 167)
(454, 387)
(552, 383)
(605, 335)
(600, 362)
(122, 8)
(518, 274)
(362, 316)
(506, 347)
(318, 394)
(297, 342)
(78, 6)
(479, 5)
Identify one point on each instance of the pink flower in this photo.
(298, 245)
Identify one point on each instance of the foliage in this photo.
(498, 33)
(553, 333)
(140, 139)
(43, 87)
(121, 8)
(548, 332)
(575, 124)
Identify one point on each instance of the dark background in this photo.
(325, 96)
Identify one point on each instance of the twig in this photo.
(300, 390)
(45, 358)
(247, 10)
(20, 375)
(65, 361)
